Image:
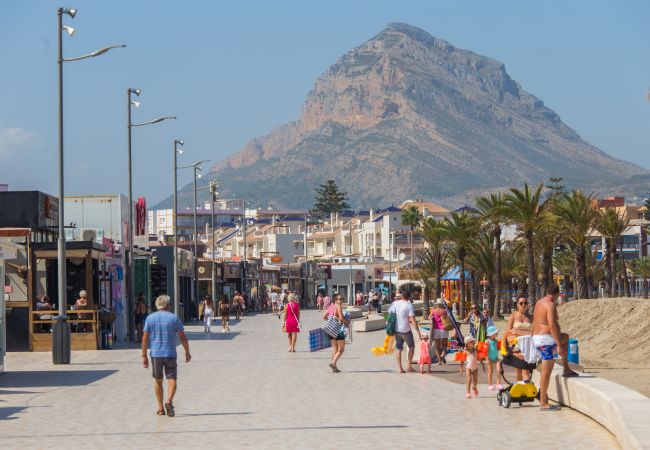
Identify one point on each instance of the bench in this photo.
(374, 323)
(355, 313)
(623, 411)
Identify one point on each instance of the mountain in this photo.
(408, 115)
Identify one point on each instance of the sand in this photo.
(613, 335)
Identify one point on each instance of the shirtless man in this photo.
(546, 336)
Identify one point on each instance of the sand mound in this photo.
(613, 332)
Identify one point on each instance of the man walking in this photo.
(160, 331)
(546, 337)
(405, 315)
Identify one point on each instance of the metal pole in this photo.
(61, 336)
(195, 283)
(214, 279)
(177, 301)
(62, 287)
(306, 288)
(129, 261)
(350, 293)
(390, 268)
(243, 278)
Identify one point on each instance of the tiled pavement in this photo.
(244, 390)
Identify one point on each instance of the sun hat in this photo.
(492, 330)
(469, 339)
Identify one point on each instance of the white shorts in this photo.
(440, 334)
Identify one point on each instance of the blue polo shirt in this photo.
(162, 327)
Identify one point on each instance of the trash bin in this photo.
(574, 351)
(61, 341)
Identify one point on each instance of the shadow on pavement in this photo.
(215, 414)
(213, 336)
(3, 392)
(53, 378)
(6, 413)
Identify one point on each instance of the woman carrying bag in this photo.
(335, 320)
(440, 326)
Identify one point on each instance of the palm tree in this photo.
(612, 225)
(411, 217)
(460, 229)
(433, 234)
(481, 262)
(563, 262)
(546, 241)
(513, 268)
(528, 211)
(491, 214)
(427, 272)
(641, 268)
(578, 215)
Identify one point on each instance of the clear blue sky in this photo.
(233, 71)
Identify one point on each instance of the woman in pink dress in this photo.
(292, 321)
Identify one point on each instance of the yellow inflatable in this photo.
(387, 349)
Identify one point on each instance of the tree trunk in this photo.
(581, 273)
(476, 290)
(426, 294)
(506, 305)
(645, 287)
(612, 268)
(608, 270)
(461, 258)
(438, 275)
(531, 270)
(547, 269)
(626, 280)
(412, 254)
(496, 304)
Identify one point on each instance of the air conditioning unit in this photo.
(92, 234)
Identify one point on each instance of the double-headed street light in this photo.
(177, 151)
(61, 332)
(129, 261)
(195, 284)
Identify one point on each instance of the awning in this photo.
(454, 275)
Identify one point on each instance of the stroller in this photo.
(520, 391)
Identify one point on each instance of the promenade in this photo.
(244, 390)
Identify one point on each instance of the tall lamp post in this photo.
(196, 167)
(177, 295)
(214, 195)
(61, 331)
(129, 261)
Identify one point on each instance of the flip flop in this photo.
(570, 374)
(160, 412)
(333, 367)
(551, 408)
(170, 409)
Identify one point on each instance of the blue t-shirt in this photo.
(162, 327)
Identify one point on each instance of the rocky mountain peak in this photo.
(406, 115)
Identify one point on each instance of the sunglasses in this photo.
(523, 303)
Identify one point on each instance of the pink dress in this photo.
(291, 318)
(425, 357)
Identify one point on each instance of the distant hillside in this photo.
(407, 115)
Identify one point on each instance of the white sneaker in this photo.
(490, 387)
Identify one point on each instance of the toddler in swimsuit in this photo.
(471, 366)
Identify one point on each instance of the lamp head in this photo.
(179, 142)
(198, 175)
(135, 91)
(180, 151)
(70, 11)
(68, 29)
(136, 104)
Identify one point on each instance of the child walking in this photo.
(471, 370)
(493, 358)
(425, 357)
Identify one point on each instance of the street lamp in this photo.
(129, 260)
(177, 151)
(195, 282)
(61, 332)
(214, 195)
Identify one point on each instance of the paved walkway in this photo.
(244, 390)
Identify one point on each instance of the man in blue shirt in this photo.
(160, 330)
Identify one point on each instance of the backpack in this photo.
(391, 324)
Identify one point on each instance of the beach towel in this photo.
(318, 340)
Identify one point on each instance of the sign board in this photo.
(379, 273)
(8, 253)
(276, 259)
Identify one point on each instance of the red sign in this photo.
(140, 216)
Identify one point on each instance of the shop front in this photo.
(85, 271)
(232, 274)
